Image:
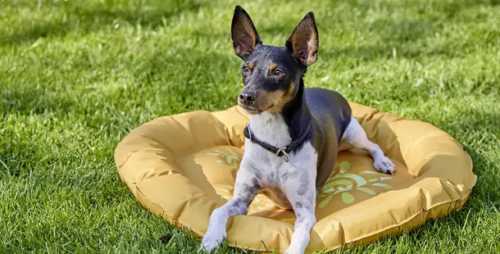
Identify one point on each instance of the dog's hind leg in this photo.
(246, 188)
(355, 135)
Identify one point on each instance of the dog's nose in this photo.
(247, 98)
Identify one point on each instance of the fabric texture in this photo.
(182, 167)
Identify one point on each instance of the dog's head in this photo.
(272, 75)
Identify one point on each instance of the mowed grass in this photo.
(77, 76)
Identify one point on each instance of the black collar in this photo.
(276, 150)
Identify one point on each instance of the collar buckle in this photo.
(281, 152)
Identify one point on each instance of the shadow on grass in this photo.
(486, 186)
(158, 74)
(475, 131)
(403, 37)
(71, 15)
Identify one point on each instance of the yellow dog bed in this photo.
(184, 166)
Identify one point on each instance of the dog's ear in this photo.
(243, 33)
(304, 41)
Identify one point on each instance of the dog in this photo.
(293, 135)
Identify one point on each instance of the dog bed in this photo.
(182, 167)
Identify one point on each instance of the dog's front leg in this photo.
(301, 192)
(246, 188)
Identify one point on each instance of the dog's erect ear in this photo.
(243, 33)
(304, 41)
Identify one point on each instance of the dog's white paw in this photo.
(384, 165)
(211, 241)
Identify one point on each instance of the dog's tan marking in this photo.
(284, 98)
(291, 89)
(250, 65)
(272, 67)
(269, 100)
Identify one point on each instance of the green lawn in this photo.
(76, 76)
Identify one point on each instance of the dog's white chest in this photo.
(276, 174)
(275, 169)
(272, 129)
(268, 163)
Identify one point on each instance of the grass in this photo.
(77, 76)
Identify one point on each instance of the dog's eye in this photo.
(245, 69)
(278, 72)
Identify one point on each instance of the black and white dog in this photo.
(294, 133)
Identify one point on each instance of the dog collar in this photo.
(280, 152)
